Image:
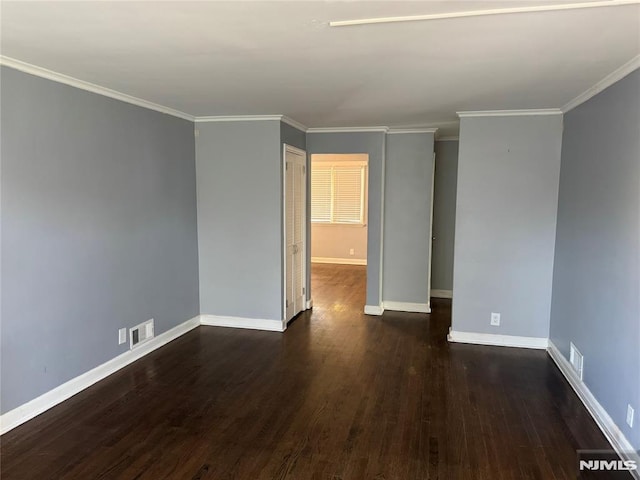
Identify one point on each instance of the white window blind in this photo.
(321, 194)
(338, 193)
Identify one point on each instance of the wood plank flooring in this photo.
(338, 396)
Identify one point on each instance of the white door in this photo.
(295, 230)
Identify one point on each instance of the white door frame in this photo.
(433, 186)
(290, 148)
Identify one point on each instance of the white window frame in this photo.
(364, 165)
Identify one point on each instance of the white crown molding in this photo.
(59, 394)
(406, 307)
(611, 431)
(348, 129)
(393, 131)
(240, 322)
(237, 118)
(107, 92)
(293, 123)
(485, 12)
(89, 87)
(251, 118)
(498, 340)
(510, 113)
(373, 310)
(607, 81)
(448, 139)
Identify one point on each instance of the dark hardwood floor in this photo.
(339, 395)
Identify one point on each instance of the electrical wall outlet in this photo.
(352, 251)
(495, 319)
(122, 336)
(630, 413)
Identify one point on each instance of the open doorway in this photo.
(339, 196)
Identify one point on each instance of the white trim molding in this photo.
(50, 399)
(237, 118)
(347, 129)
(606, 82)
(538, 343)
(610, 430)
(293, 123)
(373, 309)
(90, 87)
(442, 293)
(251, 118)
(448, 139)
(309, 304)
(240, 322)
(393, 131)
(406, 307)
(510, 113)
(483, 12)
(339, 261)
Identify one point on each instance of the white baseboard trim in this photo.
(498, 340)
(309, 304)
(240, 322)
(50, 399)
(373, 309)
(610, 430)
(339, 261)
(442, 293)
(406, 307)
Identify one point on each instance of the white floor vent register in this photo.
(141, 333)
(576, 359)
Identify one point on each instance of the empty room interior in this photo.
(320, 240)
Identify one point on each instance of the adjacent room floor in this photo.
(339, 395)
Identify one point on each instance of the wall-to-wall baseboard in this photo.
(339, 261)
(498, 340)
(249, 323)
(616, 438)
(610, 430)
(35, 407)
(397, 307)
(406, 307)
(50, 399)
(373, 310)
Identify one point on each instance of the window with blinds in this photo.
(338, 192)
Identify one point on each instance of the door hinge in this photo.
(287, 303)
(304, 290)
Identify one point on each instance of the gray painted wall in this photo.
(239, 178)
(508, 174)
(407, 217)
(596, 284)
(292, 136)
(372, 143)
(98, 229)
(444, 214)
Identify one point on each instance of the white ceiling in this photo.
(278, 57)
